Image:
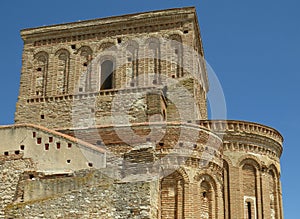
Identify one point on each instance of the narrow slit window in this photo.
(249, 210)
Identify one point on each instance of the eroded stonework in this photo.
(111, 122)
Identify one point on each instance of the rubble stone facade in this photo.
(111, 122)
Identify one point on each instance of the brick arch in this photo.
(107, 45)
(173, 195)
(40, 73)
(227, 165)
(175, 36)
(250, 185)
(132, 54)
(274, 194)
(153, 59)
(84, 57)
(208, 191)
(249, 159)
(61, 69)
(273, 168)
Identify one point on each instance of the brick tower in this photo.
(113, 117)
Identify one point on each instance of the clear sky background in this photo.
(253, 46)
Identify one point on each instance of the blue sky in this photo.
(253, 46)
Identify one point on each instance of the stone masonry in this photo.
(112, 122)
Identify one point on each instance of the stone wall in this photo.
(98, 197)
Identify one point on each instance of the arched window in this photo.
(106, 80)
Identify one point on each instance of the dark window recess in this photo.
(90, 164)
(204, 194)
(180, 144)
(39, 69)
(173, 76)
(34, 134)
(31, 176)
(6, 153)
(129, 59)
(68, 161)
(85, 64)
(249, 210)
(161, 144)
(42, 116)
(69, 145)
(50, 139)
(58, 145)
(17, 152)
(119, 40)
(47, 147)
(73, 46)
(39, 140)
(107, 75)
(80, 89)
(22, 147)
(186, 31)
(195, 146)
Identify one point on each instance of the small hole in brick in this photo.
(34, 134)
(131, 84)
(206, 148)
(31, 176)
(180, 144)
(69, 145)
(129, 59)
(119, 40)
(80, 89)
(99, 142)
(39, 140)
(22, 147)
(186, 31)
(90, 164)
(42, 116)
(173, 76)
(161, 144)
(68, 161)
(47, 147)
(6, 153)
(39, 69)
(73, 46)
(195, 146)
(189, 121)
(85, 64)
(50, 139)
(58, 145)
(17, 152)
(92, 110)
